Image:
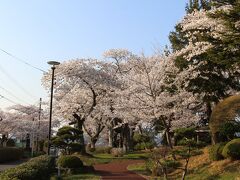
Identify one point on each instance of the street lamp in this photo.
(53, 64)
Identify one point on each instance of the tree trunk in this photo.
(130, 141)
(186, 165)
(140, 129)
(169, 141)
(110, 137)
(93, 143)
(168, 137)
(79, 125)
(125, 137)
(214, 138)
(28, 142)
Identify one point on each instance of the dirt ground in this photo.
(117, 171)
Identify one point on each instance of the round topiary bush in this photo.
(215, 152)
(68, 161)
(232, 149)
(224, 112)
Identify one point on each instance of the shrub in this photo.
(103, 150)
(143, 145)
(171, 164)
(10, 143)
(215, 152)
(149, 165)
(38, 168)
(223, 112)
(228, 131)
(201, 144)
(10, 154)
(140, 138)
(76, 147)
(117, 152)
(68, 161)
(183, 133)
(232, 149)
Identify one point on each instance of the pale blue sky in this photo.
(43, 30)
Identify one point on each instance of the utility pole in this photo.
(53, 64)
(39, 122)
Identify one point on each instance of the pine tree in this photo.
(198, 5)
(229, 47)
(215, 76)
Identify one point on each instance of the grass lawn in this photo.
(86, 176)
(82, 176)
(106, 158)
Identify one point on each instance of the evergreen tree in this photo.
(215, 67)
(229, 47)
(198, 5)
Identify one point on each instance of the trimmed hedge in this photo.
(232, 149)
(10, 154)
(38, 168)
(69, 161)
(215, 152)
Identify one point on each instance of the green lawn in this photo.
(82, 176)
(106, 158)
(86, 176)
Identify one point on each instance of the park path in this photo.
(117, 170)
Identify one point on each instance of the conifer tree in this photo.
(215, 66)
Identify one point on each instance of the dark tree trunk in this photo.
(186, 164)
(79, 126)
(126, 137)
(28, 142)
(140, 129)
(93, 142)
(131, 133)
(110, 137)
(168, 138)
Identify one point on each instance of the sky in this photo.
(38, 31)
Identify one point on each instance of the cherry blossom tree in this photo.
(82, 87)
(20, 120)
(150, 93)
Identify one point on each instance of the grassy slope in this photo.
(201, 168)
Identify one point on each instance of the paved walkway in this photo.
(5, 166)
(117, 170)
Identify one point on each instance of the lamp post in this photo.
(53, 64)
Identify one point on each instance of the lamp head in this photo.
(53, 63)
